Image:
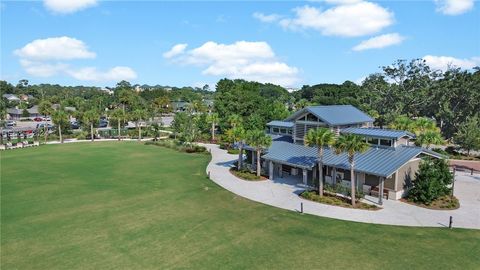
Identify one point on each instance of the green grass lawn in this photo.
(132, 206)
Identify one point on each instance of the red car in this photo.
(38, 119)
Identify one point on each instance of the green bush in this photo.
(176, 145)
(431, 181)
(233, 151)
(245, 174)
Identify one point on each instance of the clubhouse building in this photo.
(385, 170)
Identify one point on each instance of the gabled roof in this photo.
(335, 114)
(376, 161)
(284, 124)
(10, 97)
(378, 132)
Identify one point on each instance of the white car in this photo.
(11, 123)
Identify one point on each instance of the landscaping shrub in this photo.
(233, 151)
(176, 145)
(431, 181)
(336, 200)
(246, 174)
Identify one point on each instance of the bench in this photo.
(375, 191)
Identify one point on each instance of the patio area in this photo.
(283, 193)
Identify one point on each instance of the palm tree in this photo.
(119, 116)
(352, 144)
(429, 137)
(239, 135)
(423, 124)
(60, 118)
(234, 120)
(403, 123)
(45, 108)
(259, 140)
(90, 117)
(320, 138)
(213, 119)
(138, 115)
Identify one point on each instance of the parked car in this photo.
(74, 125)
(103, 123)
(10, 123)
(42, 125)
(38, 119)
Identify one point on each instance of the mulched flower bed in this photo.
(333, 199)
(246, 175)
(442, 203)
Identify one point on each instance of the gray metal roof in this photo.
(335, 114)
(378, 132)
(376, 161)
(284, 124)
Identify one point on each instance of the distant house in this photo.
(26, 97)
(389, 165)
(11, 97)
(180, 106)
(16, 113)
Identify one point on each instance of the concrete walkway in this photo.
(283, 194)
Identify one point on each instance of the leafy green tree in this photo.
(320, 138)
(239, 135)
(60, 119)
(260, 141)
(90, 118)
(137, 116)
(45, 108)
(351, 144)
(213, 120)
(179, 123)
(432, 181)
(468, 135)
(120, 117)
(403, 122)
(155, 130)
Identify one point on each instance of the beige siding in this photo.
(390, 182)
(406, 173)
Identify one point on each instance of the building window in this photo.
(312, 118)
(275, 130)
(290, 132)
(386, 142)
(283, 131)
(372, 141)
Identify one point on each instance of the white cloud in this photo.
(379, 42)
(40, 69)
(444, 62)
(266, 18)
(240, 60)
(454, 7)
(56, 48)
(49, 57)
(346, 20)
(342, 2)
(114, 74)
(175, 50)
(68, 6)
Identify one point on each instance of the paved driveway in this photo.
(283, 194)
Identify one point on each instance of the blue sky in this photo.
(99, 43)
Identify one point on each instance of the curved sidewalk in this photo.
(284, 195)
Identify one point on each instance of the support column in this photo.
(380, 191)
(304, 171)
(314, 173)
(280, 170)
(270, 170)
(334, 176)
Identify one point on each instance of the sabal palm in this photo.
(119, 116)
(259, 140)
(213, 120)
(351, 144)
(423, 124)
(320, 138)
(234, 120)
(137, 116)
(91, 117)
(45, 108)
(60, 118)
(430, 137)
(239, 135)
(403, 123)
